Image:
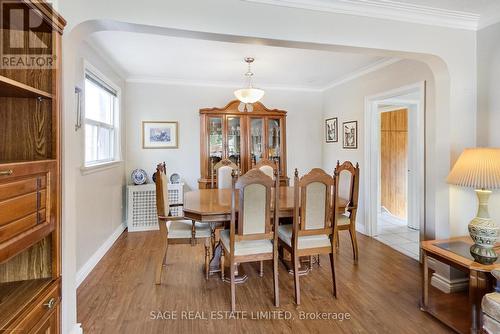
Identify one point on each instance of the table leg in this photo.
(425, 283)
(215, 261)
(305, 265)
(478, 287)
(241, 277)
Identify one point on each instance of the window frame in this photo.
(89, 166)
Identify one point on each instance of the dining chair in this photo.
(312, 230)
(268, 167)
(173, 229)
(254, 238)
(223, 169)
(347, 220)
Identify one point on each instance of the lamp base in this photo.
(483, 231)
(483, 255)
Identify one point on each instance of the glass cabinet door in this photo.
(274, 140)
(215, 141)
(256, 140)
(233, 152)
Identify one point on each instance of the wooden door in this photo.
(394, 162)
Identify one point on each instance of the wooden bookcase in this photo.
(245, 137)
(30, 174)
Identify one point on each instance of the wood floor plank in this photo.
(381, 293)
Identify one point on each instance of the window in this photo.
(101, 120)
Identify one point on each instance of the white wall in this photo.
(488, 91)
(347, 102)
(99, 194)
(488, 85)
(166, 102)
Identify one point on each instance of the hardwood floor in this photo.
(380, 294)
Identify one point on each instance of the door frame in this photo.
(416, 155)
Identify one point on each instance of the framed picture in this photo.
(332, 130)
(350, 131)
(160, 134)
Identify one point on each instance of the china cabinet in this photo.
(244, 137)
(30, 170)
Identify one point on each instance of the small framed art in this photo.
(350, 134)
(160, 134)
(332, 130)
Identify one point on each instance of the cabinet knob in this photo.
(50, 304)
(6, 172)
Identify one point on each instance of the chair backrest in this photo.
(162, 203)
(253, 192)
(267, 166)
(313, 205)
(223, 170)
(347, 168)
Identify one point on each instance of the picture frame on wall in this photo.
(332, 130)
(160, 134)
(350, 134)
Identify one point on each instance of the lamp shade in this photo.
(477, 168)
(249, 95)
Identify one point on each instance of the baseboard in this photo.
(361, 229)
(77, 329)
(449, 285)
(98, 255)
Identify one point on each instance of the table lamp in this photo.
(479, 168)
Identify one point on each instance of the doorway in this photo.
(395, 151)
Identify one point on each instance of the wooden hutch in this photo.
(245, 137)
(30, 169)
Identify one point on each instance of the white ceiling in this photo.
(464, 14)
(182, 60)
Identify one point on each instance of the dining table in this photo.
(213, 207)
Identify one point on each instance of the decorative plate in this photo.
(139, 176)
(175, 178)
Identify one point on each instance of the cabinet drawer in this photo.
(27, 204)
(49, 325)
(43, 308)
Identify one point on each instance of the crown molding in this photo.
(386, 9)
(233, 85)
(362, 71)
(224, 84)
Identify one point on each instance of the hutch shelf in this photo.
(245, 137)
(30, 177)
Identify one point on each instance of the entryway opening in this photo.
(396, 150)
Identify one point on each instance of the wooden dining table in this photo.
(213, 206)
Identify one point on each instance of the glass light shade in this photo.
(249, 95)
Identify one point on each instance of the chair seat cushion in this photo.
(306, 241)
(343, 219)
(490, 325)
(178, 229)
(491, 305)
(246, 247)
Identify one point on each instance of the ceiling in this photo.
(464, 14)
(147, 57)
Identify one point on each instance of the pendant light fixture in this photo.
(250, 94)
